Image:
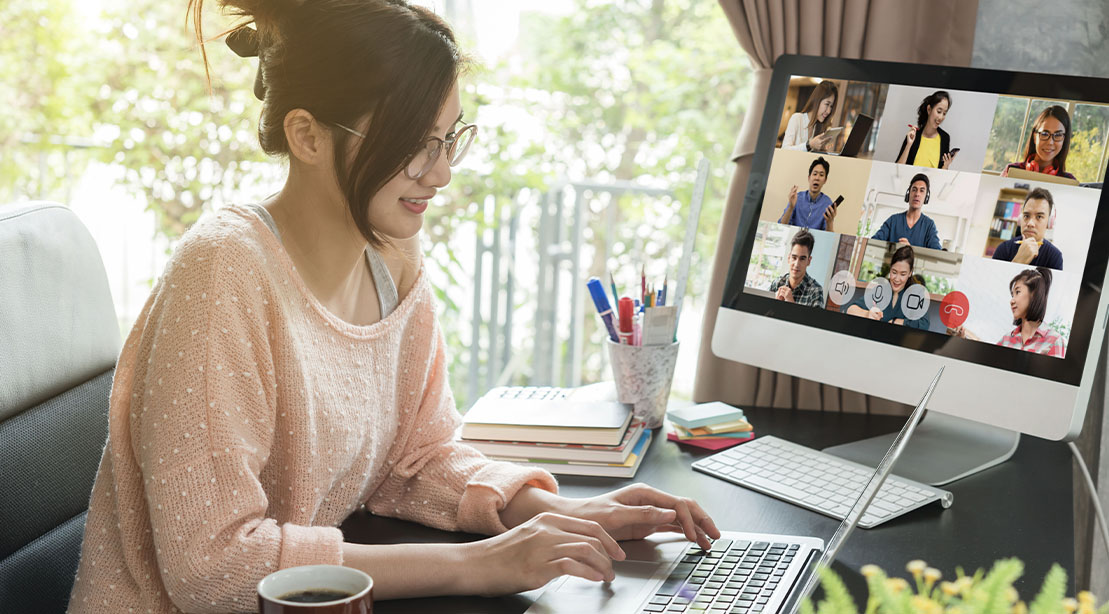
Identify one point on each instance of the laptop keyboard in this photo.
(735, 577)
(816, 480)
(531, 393)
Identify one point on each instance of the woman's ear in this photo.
(308, 140)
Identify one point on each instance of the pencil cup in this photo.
(643, 375)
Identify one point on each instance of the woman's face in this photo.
(1047, 149)
(397, 210)
(938, 113)
(825, 108)
(1019, 300)
(899, 275)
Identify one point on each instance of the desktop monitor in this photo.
(968, 231)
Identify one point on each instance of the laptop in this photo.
(1020, 173)
(859, 131)
(743, 573)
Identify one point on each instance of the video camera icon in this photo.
(915, 302)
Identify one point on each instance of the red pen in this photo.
(625, 307)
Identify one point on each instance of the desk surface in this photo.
(1020, 508)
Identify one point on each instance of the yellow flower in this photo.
(870, 570)
(924, 605)
(1020, 608)
(1070, 605)
(916, 567)
(897, 585)
(1085, 597)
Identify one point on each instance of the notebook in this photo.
(666, 573)
(546, 415)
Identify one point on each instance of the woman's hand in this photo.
(911, 136)
(948, 158)
(819, 142)
(638, 510)
(537, 551)
(874, 313)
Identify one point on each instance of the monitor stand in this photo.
(943, 449)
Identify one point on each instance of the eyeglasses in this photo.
(457, 144)
(1055, 136)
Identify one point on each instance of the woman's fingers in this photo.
(590, 529)
(587, 554)
(570, 567)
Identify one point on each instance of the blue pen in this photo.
(597, 291)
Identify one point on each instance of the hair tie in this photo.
(244, 42)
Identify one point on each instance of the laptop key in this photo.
(675, 579)
(651, 607)
(660, 600)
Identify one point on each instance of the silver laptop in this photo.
(743, 573)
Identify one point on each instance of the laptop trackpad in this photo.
(573, 594)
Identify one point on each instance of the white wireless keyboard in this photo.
(814, 480)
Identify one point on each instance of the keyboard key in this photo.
(674, 580)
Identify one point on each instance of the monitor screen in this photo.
(948, 211)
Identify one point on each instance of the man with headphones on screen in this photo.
(1030, 247)
(912, 227)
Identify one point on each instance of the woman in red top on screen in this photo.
(1028, 302)
(1048, 144)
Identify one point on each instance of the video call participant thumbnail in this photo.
(927, 144)
(1028, 293)
(796, 286)
(1031, 247)
(811, 208)
(900, 277)
(912, 227)
(805, 131)
(1048, 145)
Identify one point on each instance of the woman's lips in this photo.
(415, 206)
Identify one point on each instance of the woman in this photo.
(1046, 151)
(900, 277)
(806, 130)
(933, 147)
(1028, 293)
(288, 367)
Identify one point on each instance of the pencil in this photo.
(615, 294)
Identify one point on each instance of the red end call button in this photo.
(954, 309)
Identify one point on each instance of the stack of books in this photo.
(712, 426)
(577, 438)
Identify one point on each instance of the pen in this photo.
(627, 328)
(597, 291)
(665, 285)
(643, 284)
(615, 294)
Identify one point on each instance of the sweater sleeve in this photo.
(886, 231)
(795, 136)
(204, 432)
(440, 482)
(932, 240)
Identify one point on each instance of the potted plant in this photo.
(982, 593)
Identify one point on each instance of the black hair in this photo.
(803, 238)
(1059, 113)
(921, 177)
(905, 252)
(1038, 282)
(821, 162)
(1040, 194)
(930, 100)
(342, 61)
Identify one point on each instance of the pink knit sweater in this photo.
(247, 422)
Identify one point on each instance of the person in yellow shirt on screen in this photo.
(927, 144)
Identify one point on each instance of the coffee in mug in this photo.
(316, 589)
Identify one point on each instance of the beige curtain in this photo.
(933, 32)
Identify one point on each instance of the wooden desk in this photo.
(1021, 508)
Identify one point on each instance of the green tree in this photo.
(44, 72)
(184, 148)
